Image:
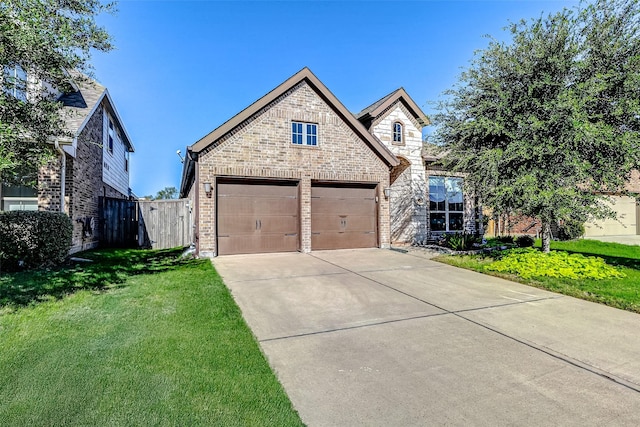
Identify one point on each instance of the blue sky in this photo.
(182, 68)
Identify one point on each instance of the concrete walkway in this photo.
(379, 338)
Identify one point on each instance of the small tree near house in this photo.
(546, 123)
(41, 41)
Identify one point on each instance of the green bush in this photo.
(34, 239)
(525, 241)
(529, 263)
(570, 230)
(505, 239)
(460, 241)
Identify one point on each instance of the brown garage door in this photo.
(257, 217)
(343, 217)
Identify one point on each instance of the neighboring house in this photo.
(626, 223)
(296, 171)
(627, 210)
(93, 163)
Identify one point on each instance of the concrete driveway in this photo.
(380, 338)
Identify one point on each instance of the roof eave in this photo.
(402, 96)
(305, 74)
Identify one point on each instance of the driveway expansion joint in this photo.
(559, 356)
(459, 313)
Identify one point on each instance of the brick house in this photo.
(93, 163)
(627, 209)
(296, 171)
(625, 204)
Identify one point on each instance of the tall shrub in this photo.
(34, 239)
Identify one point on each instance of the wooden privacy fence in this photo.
(157, 224)
(164, 223)
(118, 223)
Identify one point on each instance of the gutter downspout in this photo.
(63, 174)
(197, 207)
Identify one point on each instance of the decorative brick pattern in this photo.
(261, 148)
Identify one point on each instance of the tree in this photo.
(546, 123)
(167, 193)
(41, 41)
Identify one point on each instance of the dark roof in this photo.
(73, 99)
(81, 104)
(375, 109)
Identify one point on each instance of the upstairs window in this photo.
(112, 135)
(397, 133)
(126, 160)
(15, 82)
(304, 133)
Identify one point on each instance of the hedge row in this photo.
(31, 239)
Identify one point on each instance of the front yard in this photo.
(134, 338)
(619, 292)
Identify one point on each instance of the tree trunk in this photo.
(546, 236)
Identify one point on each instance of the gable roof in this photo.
(375, 109)
(303, 75)
(84, 102)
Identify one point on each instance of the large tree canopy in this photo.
(547, 122)
(41, 41)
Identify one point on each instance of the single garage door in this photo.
(343, 217)
(256, 217)
(625, 225)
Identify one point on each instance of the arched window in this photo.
(397, 133)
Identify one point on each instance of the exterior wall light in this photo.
(207, 189)
(387, 192)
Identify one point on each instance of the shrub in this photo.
(528, 263)
(460, 241)
(505, 239)
(524, 241)
(570, 230)
(34, 239)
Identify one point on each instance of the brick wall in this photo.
(83, 185)
(261, 147)
(633, 184)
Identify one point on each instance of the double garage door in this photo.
(256, 217)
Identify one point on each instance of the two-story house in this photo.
(94, 162)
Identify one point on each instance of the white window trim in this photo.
(17, 87)
(111, 135)
(400, 134)
(305, 134)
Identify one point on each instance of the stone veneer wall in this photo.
(409, 220)
(83, 185)
(261, 148)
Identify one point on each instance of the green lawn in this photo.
(136, 338)
(623, 293)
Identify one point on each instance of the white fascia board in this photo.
(120, 122)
